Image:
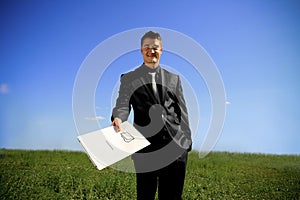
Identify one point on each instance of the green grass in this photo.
(220, 175)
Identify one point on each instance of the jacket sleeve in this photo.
(184, 122)
(122, 107)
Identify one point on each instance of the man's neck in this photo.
(152, 65)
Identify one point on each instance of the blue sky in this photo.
(255, 45)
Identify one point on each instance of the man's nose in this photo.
(152, 50)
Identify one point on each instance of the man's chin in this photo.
(154, 60)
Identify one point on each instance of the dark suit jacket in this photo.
(161, 119)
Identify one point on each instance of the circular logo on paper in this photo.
(93, 71)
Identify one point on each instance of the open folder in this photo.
(106, 146)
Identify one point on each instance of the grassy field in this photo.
(220, 175)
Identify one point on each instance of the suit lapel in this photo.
(163, 85)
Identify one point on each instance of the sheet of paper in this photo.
(106, 146)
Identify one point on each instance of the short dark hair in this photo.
(152, 35)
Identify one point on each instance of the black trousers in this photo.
(169, 181)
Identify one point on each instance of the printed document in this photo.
(106, 146)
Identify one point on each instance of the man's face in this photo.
(151, 50)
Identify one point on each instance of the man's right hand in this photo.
(117, 124)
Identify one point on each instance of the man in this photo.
(160, 114)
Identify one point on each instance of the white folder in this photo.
(106, 146)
